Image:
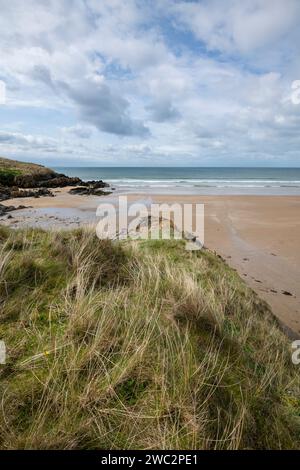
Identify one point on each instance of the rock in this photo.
(4, 193)
(82, 190)
(5, 209)
(16, 192)
(285, 292)
(54, 180)
(99, 192)
(18, 179)
(60, 182)
(46, 179)
(88, 191)
(95, 184)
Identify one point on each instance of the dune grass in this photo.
(137, 345)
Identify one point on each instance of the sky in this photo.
(150, 82)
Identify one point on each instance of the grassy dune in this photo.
(139, 345)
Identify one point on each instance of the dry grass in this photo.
(140, 345)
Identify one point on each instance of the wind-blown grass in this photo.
(139, 345)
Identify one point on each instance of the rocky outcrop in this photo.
(48, 180)
(88, 191)
(51, 180)
(5, 209)
(15, 192)
(4, 193)
(91, 188)
(19, 179)
(95, 184)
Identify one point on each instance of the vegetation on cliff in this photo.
(137, 345)
(18, 179)
(12, 170)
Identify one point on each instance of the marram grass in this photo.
(139, 345)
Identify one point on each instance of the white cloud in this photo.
(2, 92)
(82, 132)
(27, 142)
(205, 80)
(236, 25)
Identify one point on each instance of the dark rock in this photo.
(82, 190)
(60, 182)
(38, 182)
(57, 180)
(285, 292)
(5, 209)
(88, 191)
(99, 192)
(95, 184)
(48, 179)
(16, 192)
(4, 193)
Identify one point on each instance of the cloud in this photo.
(238, 26)
(28, 142)
(105, 110)
(196, 82)
(163, 110)
(82, 132)
(96, 103)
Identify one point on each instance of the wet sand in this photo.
(259, 236)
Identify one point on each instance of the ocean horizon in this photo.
(194, 180)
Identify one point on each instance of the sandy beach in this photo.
(257, 235)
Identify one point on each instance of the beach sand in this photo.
(259, 236)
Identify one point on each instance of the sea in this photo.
(193, 180)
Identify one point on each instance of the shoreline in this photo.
(256, 235)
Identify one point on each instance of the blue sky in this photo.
(149, 83)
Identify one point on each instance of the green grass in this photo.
(7, 176)
(137, 345)
(10, 170)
